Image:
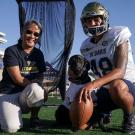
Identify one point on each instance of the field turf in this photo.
(50, 127)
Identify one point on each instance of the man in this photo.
(106, 49)
(20, 88)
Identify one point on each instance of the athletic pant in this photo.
(13, 105)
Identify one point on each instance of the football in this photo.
(80, 113)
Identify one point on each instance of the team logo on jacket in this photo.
(28, 63)
(105, 43)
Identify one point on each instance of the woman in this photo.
(20, 89)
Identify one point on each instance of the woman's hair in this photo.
(28, 23)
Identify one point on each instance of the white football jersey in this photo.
(101, 54)
(71, 93)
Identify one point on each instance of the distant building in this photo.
(2, 38)
(2, 41)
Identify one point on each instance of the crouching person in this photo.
(20, 88)
(78, 76)
(78, 72)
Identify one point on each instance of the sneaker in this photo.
(107, 118)
(128, 124)
(36, 123)
(104, 121)
(101, 119)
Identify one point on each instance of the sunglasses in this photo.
(36, 34)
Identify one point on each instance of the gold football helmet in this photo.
(95, 9)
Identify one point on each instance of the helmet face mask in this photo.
(91, 10)
(95, 31)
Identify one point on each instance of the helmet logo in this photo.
(93, 13)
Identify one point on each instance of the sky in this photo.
(121, 14)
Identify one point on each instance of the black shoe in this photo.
(102, 119)
(36, 123)
(107, 118)
(128, 124)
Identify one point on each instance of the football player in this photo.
(108, 51)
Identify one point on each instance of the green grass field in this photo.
(47, 116)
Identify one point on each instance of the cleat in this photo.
(128, 124)
(102, 119)
(107, 118)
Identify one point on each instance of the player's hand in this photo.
(85, 92)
